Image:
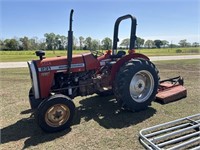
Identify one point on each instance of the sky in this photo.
(171, 20)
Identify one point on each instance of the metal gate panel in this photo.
(182, 133)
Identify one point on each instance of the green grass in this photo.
(12, 56)
(99, 123)
(169, 51)
(15, 56)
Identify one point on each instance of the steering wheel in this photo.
(96, 53)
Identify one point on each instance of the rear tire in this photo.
(136, 84)
(56, 113)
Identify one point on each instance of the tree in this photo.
(57, 42)
(6, 42)
(25, 43)
(125, 42)
(1, 44)
(88, 43)
(12, 44)
(173, 45)
(183, 43)
(158, 43)
(165, 43)
(149, 44)
(42, 46)
(188, 44)
(195, 44)
(62, 42)
(33, 43)
(139, 42)
(50, 40)
(75, 42)
(106, 43)
(81, 40)
(95, 45)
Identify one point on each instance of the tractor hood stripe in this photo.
(61, 67)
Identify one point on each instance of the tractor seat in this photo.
(119, 54)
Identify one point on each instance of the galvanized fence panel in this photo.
(182, 133)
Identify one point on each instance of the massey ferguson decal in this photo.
(44, 69)
(61, 67)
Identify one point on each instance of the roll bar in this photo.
(116, 30)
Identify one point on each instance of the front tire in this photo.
(56, 113)
(136, 84)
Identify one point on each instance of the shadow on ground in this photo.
(103, 110)
(108, 113)
(27, 128)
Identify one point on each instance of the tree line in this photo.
(52, 41)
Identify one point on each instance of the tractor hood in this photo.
(42, 71)
(60, 63)
(79, 63)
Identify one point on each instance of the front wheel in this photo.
(56, 113)
(136, 84)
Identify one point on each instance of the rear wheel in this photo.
(56, 113)
(136, 84)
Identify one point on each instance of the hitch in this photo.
(174, 80)
(171, 89)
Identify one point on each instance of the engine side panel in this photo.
(47, 68)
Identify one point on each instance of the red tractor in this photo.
(132, 78)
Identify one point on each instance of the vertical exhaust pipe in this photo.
(70, 42)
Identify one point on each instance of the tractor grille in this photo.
(34, 80)
(31, 75)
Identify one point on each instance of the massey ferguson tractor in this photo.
(131, 77)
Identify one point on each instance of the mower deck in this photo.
(171, 90)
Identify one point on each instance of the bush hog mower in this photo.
(132, 78)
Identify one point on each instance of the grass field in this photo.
(99, 123)
(12, 56)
